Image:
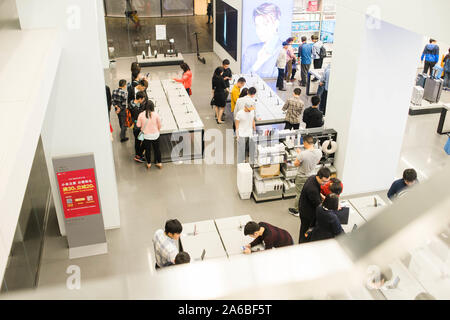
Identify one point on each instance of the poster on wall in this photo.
(327, 32)
(78, 190)
(266, 24)
(227, 27)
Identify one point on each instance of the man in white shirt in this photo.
(281, 65)
(165, 243)
(245, 126)
(317, 45)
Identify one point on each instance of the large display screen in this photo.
(327, 34)
(226, 27)
(265, 25)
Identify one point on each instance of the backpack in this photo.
(322, 52)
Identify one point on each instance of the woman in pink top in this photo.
(150, 124)
(186, 80)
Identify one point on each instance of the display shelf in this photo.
(258, 177)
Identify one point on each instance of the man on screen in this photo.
(261, 58)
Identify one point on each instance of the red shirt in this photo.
(325, 189)
(186, 80)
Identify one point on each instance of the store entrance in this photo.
(128, 35)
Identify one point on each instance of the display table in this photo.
(354, 218)
(208, 241)
(180, 122)
(199, 227)
(268, 104)
(233, 223)
(160, 60)
(408, 287)
(365, 206)
(425, 108)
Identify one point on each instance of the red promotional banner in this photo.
(78, 190)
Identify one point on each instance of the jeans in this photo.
(446, 79)
(123, 128)
(323, 101)
(280, 83)
(148, 145)
(428, 65)
(294, 72)
(305, 68)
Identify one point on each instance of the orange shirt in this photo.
(186, 80)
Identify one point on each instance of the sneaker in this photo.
(139, 159)
(124, 140)
(282, 89)
(293, 211)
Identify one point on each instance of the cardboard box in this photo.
(270, 170)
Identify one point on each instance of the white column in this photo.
(77, 120)
(371, 81)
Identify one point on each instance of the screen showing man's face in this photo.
(266, 27)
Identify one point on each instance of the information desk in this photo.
(268, 104)
(181, 126)
(366, 206)
(354, 218)
(208, 241)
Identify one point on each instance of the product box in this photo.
(268, 171)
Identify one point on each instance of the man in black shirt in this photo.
(312, 116)
(227, 76)
(310, 199)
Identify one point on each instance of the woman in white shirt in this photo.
(150, 124)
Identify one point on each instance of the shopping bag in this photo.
(447, 146)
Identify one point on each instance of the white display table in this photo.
(365, 206)
(160, 60)
(208, 241)
(353, 218)
(236, 223)
(199, 227)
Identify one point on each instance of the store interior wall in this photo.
(370, 123)
(76, 121)
(235, 65)
(22, 269)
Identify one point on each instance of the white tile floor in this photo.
(189, 193)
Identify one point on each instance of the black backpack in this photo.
(323, 52)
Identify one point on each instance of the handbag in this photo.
(141, 134)
(213, 102)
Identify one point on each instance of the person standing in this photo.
(220, 92)
(209, 11)
(327, 224)
(310, 199)
(431, 56)
(119, 101)
(324, 84)
(290, 60)
(150, 124)
(305, 55)
(227, 73)
(446, 63)
(312, 116)
(247, 98)
(186, 79)
(293, 107)
(316, 49)
(281, 65)
(306, 162)
(165, 243)
(236, 92)
(136, 107)
(263, 232)
(245, 126)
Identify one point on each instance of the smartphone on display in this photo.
(394, 284)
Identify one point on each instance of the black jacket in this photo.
(313, 118)
(327, 225)
(310, 199)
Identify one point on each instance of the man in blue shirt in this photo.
(305, 54)
(408, 180)
(431, 56)
(324, 84)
